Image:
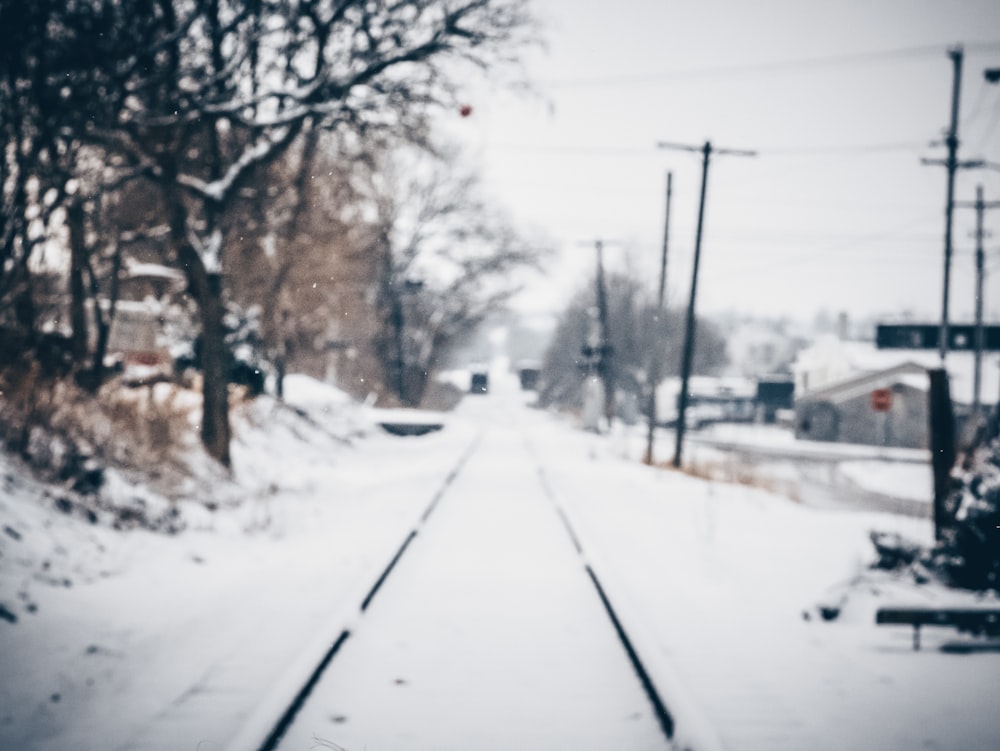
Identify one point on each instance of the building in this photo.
(139, 340)
(711, 399)
(853, 392)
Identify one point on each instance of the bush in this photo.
(970, 550)
(67, 434)
(968, 553)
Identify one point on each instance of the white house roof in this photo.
(136, 270)
(831, 361)
(709, 386)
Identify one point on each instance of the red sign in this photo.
(882, 400)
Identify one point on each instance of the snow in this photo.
(512, 620)
(717, 578)
(141, 640)
(911, 481)
(137, 269)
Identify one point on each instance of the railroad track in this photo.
(660, 710)
(530, 483)
(287, 717)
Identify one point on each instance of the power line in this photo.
(847, 246)
(776, 66)
(976, 110)
(854, 150)
(988, 133)
(615, 151)
(573, 150)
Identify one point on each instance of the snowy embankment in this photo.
(720, 584)
(140, 640)
(888, 478)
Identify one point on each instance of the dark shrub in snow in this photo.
(970, 552)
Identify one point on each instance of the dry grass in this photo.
(53, 423)
(735, 471)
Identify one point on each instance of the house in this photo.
(775, 395)
(853, 392)
(138, 338)
(711, 399)
(528, 372)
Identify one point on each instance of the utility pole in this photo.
(600, 352)
(654, 359)
(952, 164)
(980, 206)
(604, 363)
(706, 152)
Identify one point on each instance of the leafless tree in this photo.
(197, 96)
(445, 261)
(634, 332)
(295, 242)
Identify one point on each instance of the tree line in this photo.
(637, 334)
(278, 153)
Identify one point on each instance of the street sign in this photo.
(882, 400)
(962, 337)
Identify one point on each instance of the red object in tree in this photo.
(882, 400)
(465, 110)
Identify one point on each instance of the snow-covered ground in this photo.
(138, 640)
(807, 470)
(720, 584)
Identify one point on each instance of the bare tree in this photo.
(198, 95)
(295, 238)
(446, 260)
(633, 329)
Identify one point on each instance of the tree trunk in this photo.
(77, 294)
(942, 445)
(102, 322)
(214, 362)
(206, 288)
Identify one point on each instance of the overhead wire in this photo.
(852, 150)
(830, 150)
(854, 245)
(861, 58)
(990, 128)
(775, 66)
(861, 243)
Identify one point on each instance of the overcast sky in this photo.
(841, 100)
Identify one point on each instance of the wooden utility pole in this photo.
(952, 164)
(604, 363)
(600, 352)
(706, 152)
(980, 206)
(942, 445)
(654, 355)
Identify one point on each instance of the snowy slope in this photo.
(138, 640)
(720, 583)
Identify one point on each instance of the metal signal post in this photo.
(654, 358)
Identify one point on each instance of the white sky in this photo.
(813, 221)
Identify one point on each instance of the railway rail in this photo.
(531, 492)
